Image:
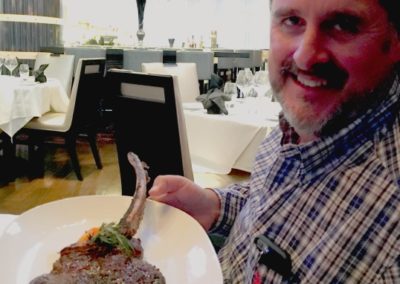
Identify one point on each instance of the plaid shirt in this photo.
(332, 204)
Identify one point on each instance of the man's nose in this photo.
(311, 49)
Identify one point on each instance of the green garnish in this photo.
(109, 234)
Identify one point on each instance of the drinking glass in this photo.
(24, 71)
(230, 89)
(261, 83)
(249, 75)
(243, 83)
(2, 60)
(11, 62)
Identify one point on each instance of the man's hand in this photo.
(180, 192)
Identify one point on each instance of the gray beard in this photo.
(304, 126)
(356, 105)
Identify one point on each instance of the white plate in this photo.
(172, 240)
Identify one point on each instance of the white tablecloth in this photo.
(20, 101)
(219, 143)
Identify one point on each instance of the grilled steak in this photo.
(94, 263)
(112, 254)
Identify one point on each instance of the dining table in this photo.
(219, 143)
(21, 100)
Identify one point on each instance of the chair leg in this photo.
(71, 148)
(36, 157)
(202, 87)
(95, 151)
(7, 160)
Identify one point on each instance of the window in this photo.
(239, 23)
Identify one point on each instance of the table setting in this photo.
(220, 141)
(249, 98)
(23, 97)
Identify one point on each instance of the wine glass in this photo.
(11, 62)
(2, 60)
(243, 83)
(231, 90)
(24, 71)
(249, 75)
(261, 83)
(250, 81)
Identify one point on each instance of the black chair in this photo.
(80, 119)
(7, 151)
(148, 120)
(114, 58)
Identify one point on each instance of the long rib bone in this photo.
(129, 223)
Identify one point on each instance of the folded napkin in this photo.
(39, 74)
(214, 101)
(216, 82)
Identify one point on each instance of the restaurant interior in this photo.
(207, 33)
(181, 83)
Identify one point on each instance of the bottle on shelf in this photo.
(214, 39)
(201, 43)
(193, 42)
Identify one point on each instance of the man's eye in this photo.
(345, 27)
(292, 21)
(347, 24)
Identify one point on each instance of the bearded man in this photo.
(323, 201)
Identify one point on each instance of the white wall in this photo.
(239, 23)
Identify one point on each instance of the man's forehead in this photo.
(362, 8)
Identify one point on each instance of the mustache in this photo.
(329, 71)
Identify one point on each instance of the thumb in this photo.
(161, 186)
(157, 190)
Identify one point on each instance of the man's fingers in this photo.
(164, 185)
(165, 198)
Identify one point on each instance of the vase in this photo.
(141, 4)
(171, 42)
(140, 36)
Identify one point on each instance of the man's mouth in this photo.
(327, 76)
(309, 82)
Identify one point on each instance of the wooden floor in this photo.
(60, 181)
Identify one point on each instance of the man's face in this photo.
(326, 53)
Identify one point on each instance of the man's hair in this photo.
(392, 8)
